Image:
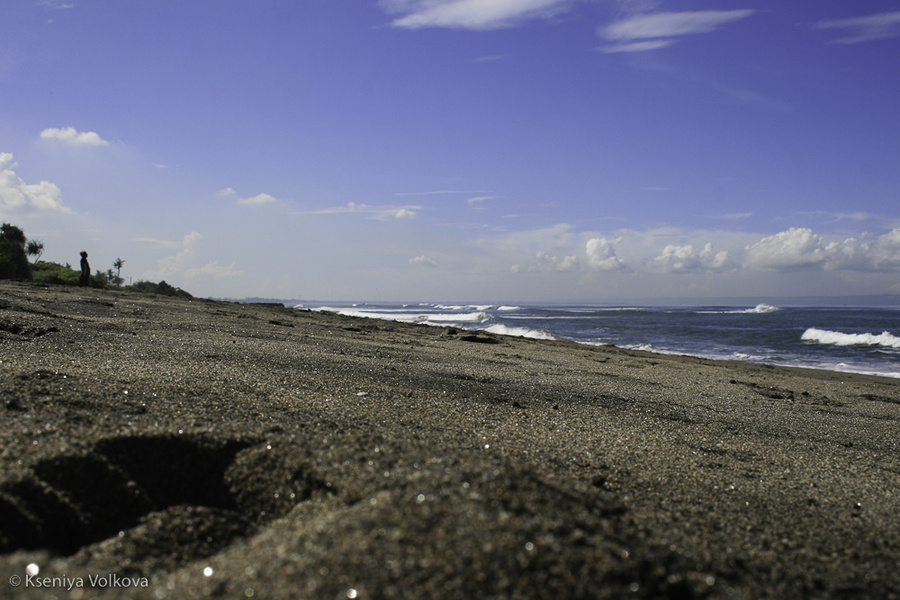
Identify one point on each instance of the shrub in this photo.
(162, 288)
(51, 272)
(13, 259)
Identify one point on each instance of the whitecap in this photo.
(837, 338)
(472, 317)
(759, 309)
(764, 308)
(520, 332)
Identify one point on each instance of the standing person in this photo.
(85, 270)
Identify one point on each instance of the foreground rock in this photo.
(191, 448)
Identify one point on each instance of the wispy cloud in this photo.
(480, 199)
(422, 261)
(490, 58)
(181, 263)
(732, 216)
(23, 199)
(73, 137)
(55, 4)
(879, 26)
(257, 199)
(158, 243)
(442, 192)
(637, 46)
(380, 213)
(833, 217)
(470, 14)
(644, 32)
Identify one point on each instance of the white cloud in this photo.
(859, 254)
(21, 199)
(865, 29)
(179, 265)
(422, 261)
(653, 31)
(174, 265)
(469, 14)
(257, 199)
(380, 213)
(226, 193)
(601, 255)
(678, 261)
(71, 136)
(670, 24)
(215, 270)
(796, 249)
(885, 252)
(548, 261)
(637, 46)
(689, 259)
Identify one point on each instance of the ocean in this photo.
(846, 339)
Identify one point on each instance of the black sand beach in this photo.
(171, 448)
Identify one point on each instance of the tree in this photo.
(118, 266)
(35, 248)
(13, 260)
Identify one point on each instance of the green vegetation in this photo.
(51, 272)
(15, 250)
(162, 288)
(13, 259)
(34, 248)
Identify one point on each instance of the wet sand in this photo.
(195, 448)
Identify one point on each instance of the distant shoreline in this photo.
(862, 301)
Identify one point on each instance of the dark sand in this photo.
(234, 450)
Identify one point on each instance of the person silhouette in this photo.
(85, 270)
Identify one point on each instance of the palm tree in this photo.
(118, 265)
(35, 248)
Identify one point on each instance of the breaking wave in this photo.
(836, 338)
(759, 309)
(520, 332)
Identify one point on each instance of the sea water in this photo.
(855, 339)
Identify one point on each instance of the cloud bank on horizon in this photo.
(520, 150)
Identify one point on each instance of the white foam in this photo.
(383, 315)
(478, 307)
(407, 316)
(759, 309)
(763, 308)
(836, 338)
(520, 332)
(472, 317)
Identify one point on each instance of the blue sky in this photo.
(480, 150)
